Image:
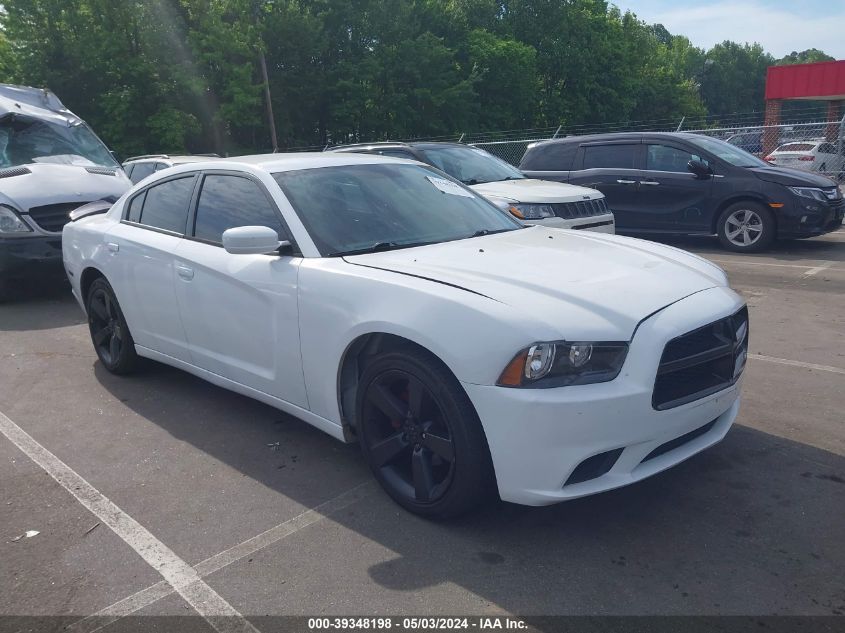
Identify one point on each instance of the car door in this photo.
(240, 312)
(612, 168)
(141, 251)
(671, 198)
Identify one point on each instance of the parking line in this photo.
(818, 269)
(750, 263)
(183, 578)
(161, 589)
(797, 363)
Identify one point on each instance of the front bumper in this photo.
(808, 218)
(597, 223)
(31, 257)
(538, 437)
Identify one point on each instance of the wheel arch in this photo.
(88, 276)
(742, 197)
(354, 360)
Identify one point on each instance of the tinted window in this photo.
(134, 214)
(160, 166)
(141, 171)
(827, 148)
(128, 169)
(609, 156)
(387, 205)
(665, 158)
(229, 201)
(166, 205)
(549, 157)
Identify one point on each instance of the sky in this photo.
(780, 26)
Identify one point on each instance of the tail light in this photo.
(806, 158)
(769, 159)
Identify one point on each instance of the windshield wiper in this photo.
(483, 232)
(378, 247)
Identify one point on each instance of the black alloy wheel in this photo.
(420, 435)
(109, 332)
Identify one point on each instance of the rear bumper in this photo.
(539, 437)
(31, 257)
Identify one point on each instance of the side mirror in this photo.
(252, 240)
(699, 168)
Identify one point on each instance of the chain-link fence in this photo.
(817, 146)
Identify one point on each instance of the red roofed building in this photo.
(820, 81)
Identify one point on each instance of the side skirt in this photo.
(327, 426)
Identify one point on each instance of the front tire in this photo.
(746, 227)
(109, 333)
(421, 436)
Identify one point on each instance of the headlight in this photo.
(546, 365)
(809, 192)
(535, 211)
(10, 222)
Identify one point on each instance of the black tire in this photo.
(109, 333)
(412, 416)
(746, 227)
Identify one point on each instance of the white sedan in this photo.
(382, 302)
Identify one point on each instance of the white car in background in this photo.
(383, 302)
(816, 155)
(139, 167)
(541, 202)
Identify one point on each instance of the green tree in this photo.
(805, 57)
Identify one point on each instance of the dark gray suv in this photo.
(691, 184)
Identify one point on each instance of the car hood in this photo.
(791, 177)
(537, 191)
(52, 184)
(582, 285)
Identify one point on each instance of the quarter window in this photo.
(615, 156)
(227, 202)
(135, 206)
(141, 171)
(665, 158)
(166, 205)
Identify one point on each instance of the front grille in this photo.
(701, 362)
(52, 217)
(580, 209)
(14, 171)
(102, 171)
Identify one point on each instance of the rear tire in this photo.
(109, 333)
(420, 435)
(746, 227)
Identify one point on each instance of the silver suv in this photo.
(139, 167)
(51, 162)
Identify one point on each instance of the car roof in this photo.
(618, 136)
(274, 163)
(395, 144)
(176, 160)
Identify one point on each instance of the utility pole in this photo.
(270, 119)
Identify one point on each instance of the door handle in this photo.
(626, 182)
(184, 272)
(652, 183)
(113, 247)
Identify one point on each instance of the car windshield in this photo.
(470, 165)
(728, 153)
(366, 208)
(24, 140)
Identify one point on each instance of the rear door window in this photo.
(166, 205)
(549, 157)
(227, 202)
(615, 156)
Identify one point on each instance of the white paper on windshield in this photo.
(447, 186)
